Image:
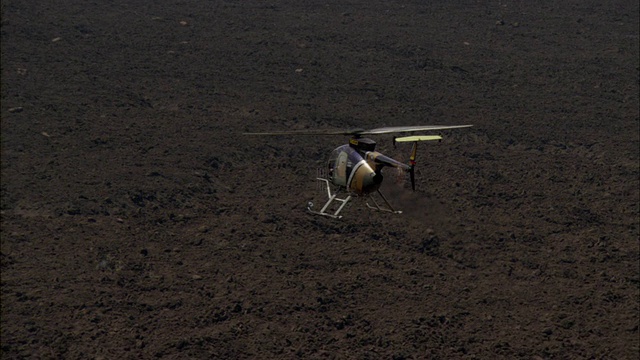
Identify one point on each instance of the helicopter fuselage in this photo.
(357, 167)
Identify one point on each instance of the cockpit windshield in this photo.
(341, 162)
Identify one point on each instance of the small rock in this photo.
(16, 109)
(196, 277)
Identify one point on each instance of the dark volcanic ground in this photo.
(137, 221)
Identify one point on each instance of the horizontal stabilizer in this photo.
(418, 138)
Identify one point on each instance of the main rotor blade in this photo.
(397, 129)
(310, 132)
(358, 132)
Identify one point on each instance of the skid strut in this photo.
(332, 198)
(388, 207)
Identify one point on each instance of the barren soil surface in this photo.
(138, 221)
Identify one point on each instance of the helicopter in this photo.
(355, 168)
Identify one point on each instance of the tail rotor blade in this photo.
(412, 175)
(412, 163)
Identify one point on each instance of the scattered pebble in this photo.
(56, 39)
(16, 109)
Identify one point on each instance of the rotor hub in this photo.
(362, 144)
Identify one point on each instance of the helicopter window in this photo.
(340, 165)
(332, 159)
(337, 166)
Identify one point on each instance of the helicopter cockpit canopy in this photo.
(341, 163)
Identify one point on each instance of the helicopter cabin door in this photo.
(338, 162)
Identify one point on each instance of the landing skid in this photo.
(325, 211)
(332, 198)
(386, 208)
